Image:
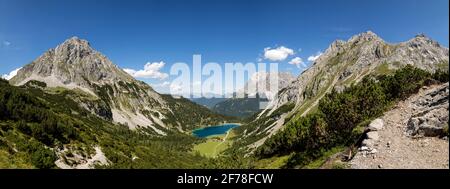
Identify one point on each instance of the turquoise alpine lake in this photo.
(214, 130)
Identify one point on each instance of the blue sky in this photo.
(132, 33)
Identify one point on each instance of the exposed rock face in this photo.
(401, 144)
(431, 114)
(98, 107)
(375, 125)
(373, 135)
(369, 144)
(260, 84)
(253, 97)
(347, 62)
(80, 161)
(72, 62)
(114, 94)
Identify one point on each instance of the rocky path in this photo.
(400, 142)
(85, 163)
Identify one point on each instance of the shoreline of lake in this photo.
(221, 129)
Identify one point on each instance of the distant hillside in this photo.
(240, 107)
(208, 102)
(40, 128)
(254, 96)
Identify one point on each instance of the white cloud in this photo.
(313, 58)
(297, 61)
(176, 88)
(151, 70)
(163, 84)
(277, 54)
(11, 74)
(196, 83)
(6, 43)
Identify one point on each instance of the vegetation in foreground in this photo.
(35, 124)
(340, 117)
(214, 145)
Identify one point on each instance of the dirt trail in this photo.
(395, 149)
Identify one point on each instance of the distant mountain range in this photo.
(208, 102)
(249, 99)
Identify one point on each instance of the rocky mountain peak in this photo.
(367, 51)
(72, 49)
(339, 45)
(336, 45)
(76, 40)
(72, 62)
(347, 62)
(421, 35)
(75, 43)
(333, 49)
(421, 40)
(364, 37)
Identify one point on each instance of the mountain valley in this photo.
(73, 108)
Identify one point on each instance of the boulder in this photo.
(368, 143)
(376, 125)
(372, 135)
(363, 148)
(431, 116)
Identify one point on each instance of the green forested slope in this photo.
(33, 124)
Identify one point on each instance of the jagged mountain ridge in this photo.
(260, 84)
(74, 64)
(362, 54)
(344, 63)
